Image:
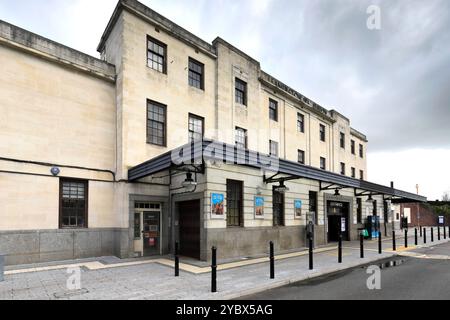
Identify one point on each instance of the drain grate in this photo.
(70, 294)
(391, 264)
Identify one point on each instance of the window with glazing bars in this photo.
(241, 138)
(241, 92)
(300, 123)
(322, 133)
(195, 128)
(278, 208)
(361, 151)
(235, 203)
(323, 163)
(273, 110)
(343, 168)
(156, 55)
(156, 123)
(342, 140)
(73, 204)
(196, 74)
(353, 173)
(301, 156)
(273, 148)
(353, 147)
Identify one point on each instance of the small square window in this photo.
(323, 163)
(301, 156)
(273, 148)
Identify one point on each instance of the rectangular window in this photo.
(273, 148)
(313, 206)
(235, 217)
(156, 123)
(353, 173)
(361, 151)
(196, 128)
(342, 140)
(300, 123)
(359, 210)
(353, 147)
(322, 133)
(73, 204)
(343, 168)
(301, 156)
(323, 164)
(241, 92)
(137, 225)
(278, 208)
(196, 74)
(157, 55)
(273, 110)
(241, 138)
(361, 175)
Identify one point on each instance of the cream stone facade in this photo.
(70, 118)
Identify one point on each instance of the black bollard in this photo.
(311, 257)
(406, 238)
(177, 260)
(394, 246)
(272, 261)
(420, 227)
(445, 233)
(432, 234)
(340, 249)
(439, 233)
(380, 244)
(424, 235)
(416, 240)
(361, 243)
(214, 270)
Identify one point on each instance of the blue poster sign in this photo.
(298, 204)
(217, 204)
(259, 207)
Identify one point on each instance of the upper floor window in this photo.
(196, 74)
(300, 123)
(241, 138)
(301, 156)
(157, 55)
(342, 140)
(353, 173)
(323, 163)
(343, 168)
(361, 151)
(73, 204)
(273, 148)
(322, 133)
(361, 175)
(156, 123)
(241, 92)
(273, 110)
(353, 147)
(196, 128)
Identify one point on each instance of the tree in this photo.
(446, 197)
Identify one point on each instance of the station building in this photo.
(168, 138)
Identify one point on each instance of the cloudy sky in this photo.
(393, 83)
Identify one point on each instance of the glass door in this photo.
(151, 233)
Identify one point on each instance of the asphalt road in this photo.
(410, 279)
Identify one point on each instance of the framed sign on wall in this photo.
(259, 207)
(217, 206)
(298, 205)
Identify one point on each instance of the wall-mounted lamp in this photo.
(189, 183)
(281, 188)
(370, 199)
(55, 171)
(337, 193)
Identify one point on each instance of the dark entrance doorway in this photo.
(338, 221)
(189, 219)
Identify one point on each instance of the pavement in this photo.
(425, 276)
(109, 278)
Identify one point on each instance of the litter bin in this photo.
(2, 267)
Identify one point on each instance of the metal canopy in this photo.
(209, 150)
